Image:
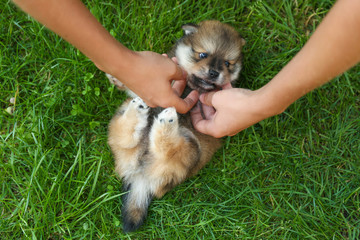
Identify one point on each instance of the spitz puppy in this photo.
(156, 149)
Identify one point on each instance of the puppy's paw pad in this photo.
(114, 80)
(168, 115)
(139, 105)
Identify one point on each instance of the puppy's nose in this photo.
(213, 73)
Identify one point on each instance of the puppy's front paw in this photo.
(139, 105)
(168, 116)
(113, 80)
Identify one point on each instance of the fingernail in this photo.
(184, 73)
(202, 97)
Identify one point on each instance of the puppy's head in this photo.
(211, 54)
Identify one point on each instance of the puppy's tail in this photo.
(135, 205)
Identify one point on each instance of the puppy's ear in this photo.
(243, 42)
(189, 28)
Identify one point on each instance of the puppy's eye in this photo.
(227, 64)
(203, 55)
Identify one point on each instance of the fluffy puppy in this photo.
(156, 149)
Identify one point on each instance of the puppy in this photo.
(210, 53)
(156, 149)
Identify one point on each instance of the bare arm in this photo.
(332, 49)
(148, 74)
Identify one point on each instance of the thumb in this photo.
(179, 74)
(206, 98)
(184, 105)
(227, 86)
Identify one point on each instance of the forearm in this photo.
(148, 74)
(73, 21)
(332, 49)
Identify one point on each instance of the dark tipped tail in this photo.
(135, 206)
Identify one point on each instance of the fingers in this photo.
(227, 86)
(179, 73)
(202, 125)
(206, 98)
(181, 105)
(209, 127)
(192, 99)
(208, 111)
(184, 105)
(195, 114)
(178, 87)
(214, 124)
(149, 103)
(175, 60)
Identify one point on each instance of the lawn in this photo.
(292, 176)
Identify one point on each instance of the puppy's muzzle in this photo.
(213, 74)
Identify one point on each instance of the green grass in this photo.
(293, 176)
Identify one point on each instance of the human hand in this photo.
(148, 74)
(150, 77)
(228, 111)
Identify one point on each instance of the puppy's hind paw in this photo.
(168, 116)
(139, 105)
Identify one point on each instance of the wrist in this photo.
(269, 102)
(116, 60)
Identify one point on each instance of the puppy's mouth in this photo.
(201, 85)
